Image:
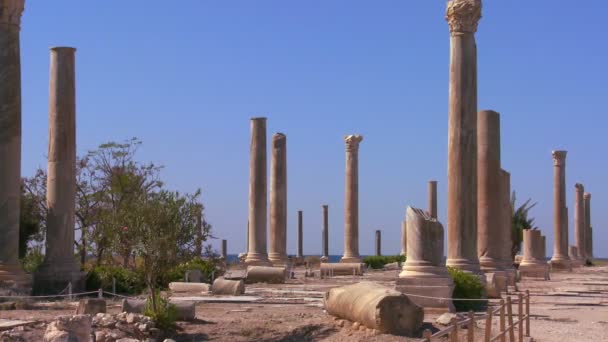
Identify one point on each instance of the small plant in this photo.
(163, 313)
(377, 262)
(32, 260)
(178, 272)
(467, 285)
(127, 281)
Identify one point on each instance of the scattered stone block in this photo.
(91, 306)
(265, 274)
(193, 276)
(343, 268)
(223, 286)
(69, 328)
(393, 266)
(189, 287)
(185, 309)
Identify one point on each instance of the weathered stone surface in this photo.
(223, 286)
(351, 198)
(278, 200)
(404, 237)
(185, 309)
(375, 307)
(193, 276)
(91, 306)
(265, 274)
(532, 264)
(560, 259)
(340, 269)
(69, 329)
(424, 273)
(462, 17)
(579, 222)
(432, 198)
(506, 229)
(393, 266)
(189, 287)
(257, 253)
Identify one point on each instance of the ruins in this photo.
(278, 200)
(560, 259)
(351, 205)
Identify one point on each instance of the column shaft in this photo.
(506, 231)
(300, 251)
(278, 200)
(404, 237)
(325, 232)
(224, 249)
(589, 230)
(560, 259)
(579, 220)
(378, 242)
(351, 205)
(432, 198)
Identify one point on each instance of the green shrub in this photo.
(32, 260)
(467, 285)
(377, 262)
(178, 272)
(165, 314)
(127, 281)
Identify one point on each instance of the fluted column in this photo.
(489, 196)
(579, 220)
(404, 237)
(560, 259)
(257, 253)
(300, 250)
(325, 233)
(378, 242)
(10, 140)
(589, 230)
(278, 200)
(462, 17)
(432, 198)
(351, 199)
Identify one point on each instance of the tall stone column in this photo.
(257, 252)
(10, 141)
(325, 233)
(300, 251)
(351, 199)
(489, 196)
(378, 242)
(59, 266)
(278, 200)
(404, 237)
(560, 259)
(462, 17)
(432, 198)
(589, 230)
(579, 221)
(506, 230)
(224, 249)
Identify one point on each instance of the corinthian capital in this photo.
(463, 15)
(587, 196)
(279, 140)
(352, 142)
(559, 157)
(10, 12)
(579, 187)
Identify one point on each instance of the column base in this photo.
(561, 264)
(14, 273)
(325, 258)
(54, 277)
(496, 283)
(539, 270)
(257, 259)
(277, 259)
(350, 260)
(465, 265)
(439, 287)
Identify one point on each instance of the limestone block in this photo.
(75, 328)
(194, 276)
(265, 274)
(376, 307)
(189, 287)
(393, 266)
(91, 306)
(185, 310)
(223, 286)
(342, 268)
(496, 282)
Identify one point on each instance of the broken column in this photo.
(560, 259)
(278, 200)
(462, 17)
(300, 252)
(432, 198)
(579, 221)
(325, 234)
(257, 252)
(589, 231)
(424, 272)
(351, 199)
(378, 243)
(404, 237)
(574, 256)
(533, 264)
(10, 142)
(506, 232)
(59, 267)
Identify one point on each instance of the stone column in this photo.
(579, 221)
(325, 233)
(378, 243)
(351, 199)
(543, 245)
(489, 195)
(59, 266)
(10, 141)
(532, 265)
(224, 249)
(278, 200)
(300, 251)
(432, 198)
(506, 230)
(589, 231)
(257, 252)
(462, 17)
(560, 259)
(404, 237)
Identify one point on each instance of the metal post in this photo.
(488, 325)
(520, 317)
(510, 318)
(471, 328)
(528, 313)
(503, 338)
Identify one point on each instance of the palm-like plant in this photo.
(520, 221)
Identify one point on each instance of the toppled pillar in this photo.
(189, 287)
(375, 307)
(331, 269)
(228, 287)
(424, 273)
(533, 264)
(266, 274)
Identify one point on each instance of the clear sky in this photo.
(185, 77)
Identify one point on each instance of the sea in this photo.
(232, 258)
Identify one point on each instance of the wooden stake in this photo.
(503, 338)
(471, 328)
(510, 319)
(488, 325)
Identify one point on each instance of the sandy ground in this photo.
(569, 307)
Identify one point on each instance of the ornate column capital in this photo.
(463, 15)
(579, 187)
(279, 140)
(10, 12)
(352, 142)
(587, 196)
(559, 157)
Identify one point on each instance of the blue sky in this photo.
(186, 76)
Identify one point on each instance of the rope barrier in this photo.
(52, 296)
